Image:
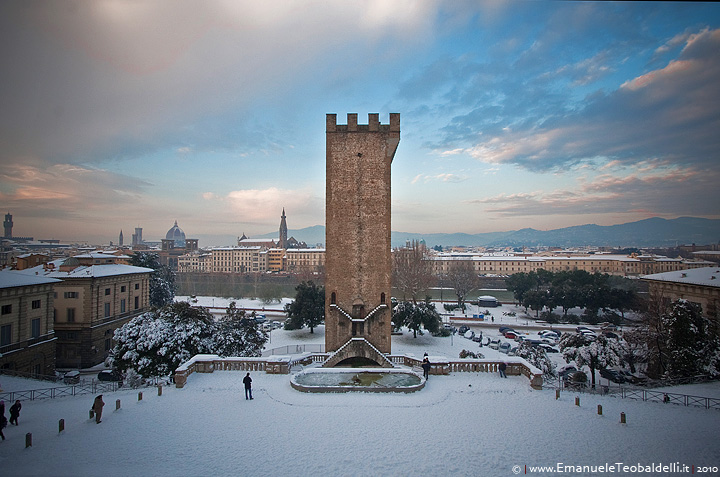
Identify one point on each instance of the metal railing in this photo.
(61, 391)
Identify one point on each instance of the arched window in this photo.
(333, 298)
(382, 298)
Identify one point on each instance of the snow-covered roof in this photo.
(101, 255)
(707, 276)
(94, 271)
(13, 278)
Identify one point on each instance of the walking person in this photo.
(502, 369)
(97, 407)
(15, 412)
(3, 419)
(247, 381)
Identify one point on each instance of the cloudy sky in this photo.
(118, 114)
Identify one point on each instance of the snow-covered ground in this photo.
(462, 424)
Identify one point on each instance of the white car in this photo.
(504, 348)
(494, 344)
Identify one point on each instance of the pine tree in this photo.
(308, 308)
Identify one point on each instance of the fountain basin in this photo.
(342, 380)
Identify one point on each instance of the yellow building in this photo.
(700, 285)
(27, 336)
(90, 303)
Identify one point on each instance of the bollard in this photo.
(622, 418)
(117, 404)
(599, 409)
(28, 440)
(577, 400)
(557, 394)
(61, 425)
(159, 389)
(140, 396)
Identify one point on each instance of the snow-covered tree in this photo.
(308, 308)
(157, 342)
(162, 280)
(691, 349)
(236, 334)
(416, 317)
(598, 353)
(537, 356)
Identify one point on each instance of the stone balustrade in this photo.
(440, 365)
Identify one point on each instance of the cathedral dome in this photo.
(177, 235)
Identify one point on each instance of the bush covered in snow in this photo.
(157, 342)
(537, 357)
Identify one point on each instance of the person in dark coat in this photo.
(97, 407)
(247, 381)
(426, 367)
(3, 419)
(502, 369)
(15, 412)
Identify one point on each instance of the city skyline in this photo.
(514, 114)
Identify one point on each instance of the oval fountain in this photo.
(340, 380)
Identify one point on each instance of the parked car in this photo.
(109, 375)
(580, 329)
(463, 329)
(548, 348)
(608, 327)
(577, 379)
(71, 377)
(504, 348)
(511, 335)
(494, 344)
(612, 375)
(513, 351)
(503, 329)
(469, 334)
(477, 338)
(610, 334)
(566, 371)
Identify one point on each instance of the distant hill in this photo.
(653, 232)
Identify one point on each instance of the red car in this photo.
(511, 335)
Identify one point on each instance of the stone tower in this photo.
(358, 264)
(8, 225)
(283, 231)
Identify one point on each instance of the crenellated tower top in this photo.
(352, 125)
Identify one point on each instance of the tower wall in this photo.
(357, 220)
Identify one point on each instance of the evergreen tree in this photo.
(537, 356)
(156, 343)
(162, 280)
(308, 308)
(598, 353)
(416, 317)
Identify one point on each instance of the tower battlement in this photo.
(352, 125)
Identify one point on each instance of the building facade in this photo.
(700, 285)
(27, 333)
(90, 303)
(358, 263)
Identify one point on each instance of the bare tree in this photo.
(463, 279)
(412, 271)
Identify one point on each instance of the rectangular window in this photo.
(107, 291)
(107, 310)
(71, 294)
(122, 305)
(71, 315)
(137, 286)
(5, 335)
(108, 344)
(6, 309)
(36, 328)
(36, 304)
(137, 302)
(122, 288)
